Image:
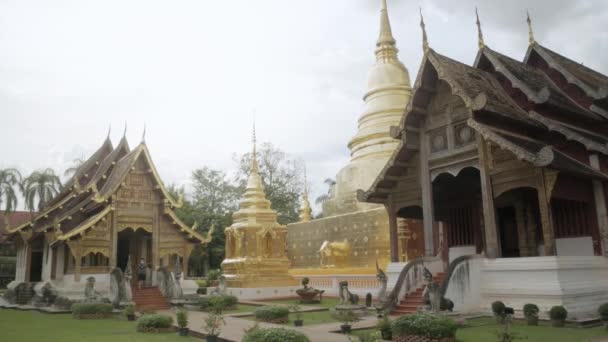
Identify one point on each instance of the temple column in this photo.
(392, 230)
(77, 261)
(600, 205)
(487, 195)
(155, 241)
(59, 271)
(114, 242)
(545, 188)
(427, 195)
(185, 260)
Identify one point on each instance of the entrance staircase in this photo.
(412, 301)
(149, 299)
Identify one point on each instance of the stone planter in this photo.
(94, 316)
(183, 331)
(280, 320)
(345, 328)
(156, 330)
(210, 338)
(533, 320)
(558, 323)
(310, 297)
(416, 338)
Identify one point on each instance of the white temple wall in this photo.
(579, 246)
(68, 287)
(464, 288)
(455, 252)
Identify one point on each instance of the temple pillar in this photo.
(156, 241)
(487, 195)
(59, 262)
(601, 209)
(114, 242)
(392, 230)
(427, 195)
(545, 188)
(77, 262)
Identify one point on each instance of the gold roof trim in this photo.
(191, 231)
(85, 225)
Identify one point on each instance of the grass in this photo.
(241, 308)
(484, 329)
(329, 302)
(35, 326)
(310, 318)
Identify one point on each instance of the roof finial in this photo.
(480, 42)
(385, 46)
(143, 135)
(124, 134)
(530, 32)
(425, 40)
(305, 210)
(109, 131)
(254, 158)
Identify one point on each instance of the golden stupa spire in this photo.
(425, 40)
(386, 45)
(255, 181)
(254, 157)
(480, 42)
(305, 210)
(530, 32)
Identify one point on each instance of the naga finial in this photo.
(425, 40)
(480, 42)
(530, 31)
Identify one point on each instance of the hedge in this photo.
(423, 324)
(154, 321)
(80, 309)
(267, 313)
(219, 302)
(558, 312)
(274, 335)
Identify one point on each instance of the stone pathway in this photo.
(235, 327)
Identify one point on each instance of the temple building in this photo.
(114, 210)
(256, 256)
(510, 159)
(352, 235)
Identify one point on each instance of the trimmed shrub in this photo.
(531, 310)
(80, 310)
(217, 303)
(498, 308)
(558, 313)
(182, 318)
(129, 310)
(63, 303)
(603, 311)
(213, 275)
(425, 325)
(154, 321)
(272, 313)
(274, 335)
(346, 317)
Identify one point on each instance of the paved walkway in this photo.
(235, 327)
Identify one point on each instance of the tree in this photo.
(76, 163)
(10, 180)
(41, 185)
(282, 178)
(324, 197)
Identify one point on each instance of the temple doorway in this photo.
(509, 239)
(136, 244)
(36, 257)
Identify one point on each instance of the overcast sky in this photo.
(194, 71)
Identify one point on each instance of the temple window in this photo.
(94, 260)
(571, 218)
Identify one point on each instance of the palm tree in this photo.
(322, 198)
(9, 180)
(41, 185)
(76, 163)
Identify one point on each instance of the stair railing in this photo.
(410, 278)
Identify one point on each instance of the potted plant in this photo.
(558, 315)
(130, 312)
(384, 327)
(498, 308)
(531, 313)
(346, 317)
(213, 326)
(296, 309)
(182, 321)
(603, 311)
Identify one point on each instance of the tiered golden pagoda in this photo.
(305, 210)
(256, 243)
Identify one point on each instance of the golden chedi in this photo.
(256, 243)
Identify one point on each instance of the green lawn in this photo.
(310, 318)
(483, 330)
(35, 326)
(329, 302)
(240, 308)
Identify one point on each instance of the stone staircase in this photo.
(25, 292)
(412, 301)
(149, 299)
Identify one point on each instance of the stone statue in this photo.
(126, 285)
(90, 295)
(177, 287)
(308, 294)
(383, 280)
(432, 292)
(220, 289)
(334, 254)
(346, 297)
